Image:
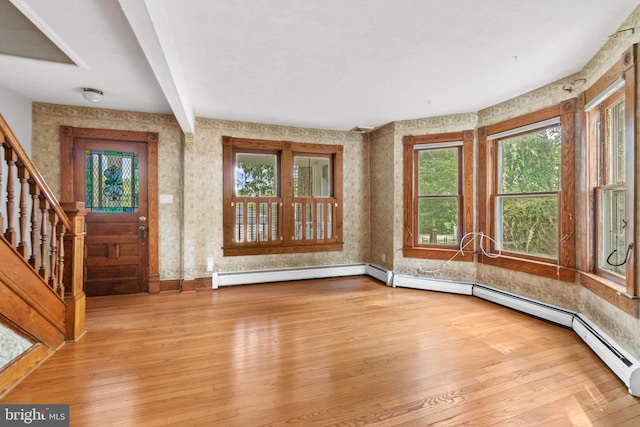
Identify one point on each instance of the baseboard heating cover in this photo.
(533, 307)
(381, 274)
(625, 366)
(267, 276)
(430, 284)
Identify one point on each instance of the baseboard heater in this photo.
(429, 284)
(280, 275)
(625, 366)
(530, 306)
(379, 273)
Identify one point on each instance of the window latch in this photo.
(626, 256)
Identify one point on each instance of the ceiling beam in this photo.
(150, 24)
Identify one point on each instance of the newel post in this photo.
(74, 270)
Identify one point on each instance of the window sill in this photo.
(280, 249)
(611, 292)
(437, 253)
(538, 268)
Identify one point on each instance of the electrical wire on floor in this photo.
(462, 246)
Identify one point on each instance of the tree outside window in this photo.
(526, 190)
(527, 194)
(438, 212)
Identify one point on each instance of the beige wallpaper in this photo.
(47, 118)
(208, 160)
(382, 189)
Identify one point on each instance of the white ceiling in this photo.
(331, 64)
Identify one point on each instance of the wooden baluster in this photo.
(10, 159)
(53, 251)
(60, 268)
(23, 176)
(44, 208)
(35, 198)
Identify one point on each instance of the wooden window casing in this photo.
(413, 247)
(621, 291)
(563, 267)
(281, 222)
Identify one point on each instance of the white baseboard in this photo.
(625, 366)
(267, 276)
(429, 284)
(379, 273)
(530, 306)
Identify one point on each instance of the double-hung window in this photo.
(281, 197)
(609, 116)
(526, 200)
(613, 245)
(438, 211)
(527, 190)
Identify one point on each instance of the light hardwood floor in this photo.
(340, 352)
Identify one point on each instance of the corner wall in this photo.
(382, 188)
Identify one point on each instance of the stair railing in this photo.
(41, 222)
(34, 223)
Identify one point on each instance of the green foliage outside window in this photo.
(530, 225)
(437, 215)
(530, 164)
(256, 180)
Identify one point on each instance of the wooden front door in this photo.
(110, 174)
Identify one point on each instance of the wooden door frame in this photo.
(68, 134)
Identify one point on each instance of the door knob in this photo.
(142, 218)
(142, 231)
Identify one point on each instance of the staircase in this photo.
(41, 251)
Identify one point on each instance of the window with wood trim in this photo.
(526, 191)
(608, 266)
(281, 197)
(612, 243)
(438, 200)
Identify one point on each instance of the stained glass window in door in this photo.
(112, 181)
